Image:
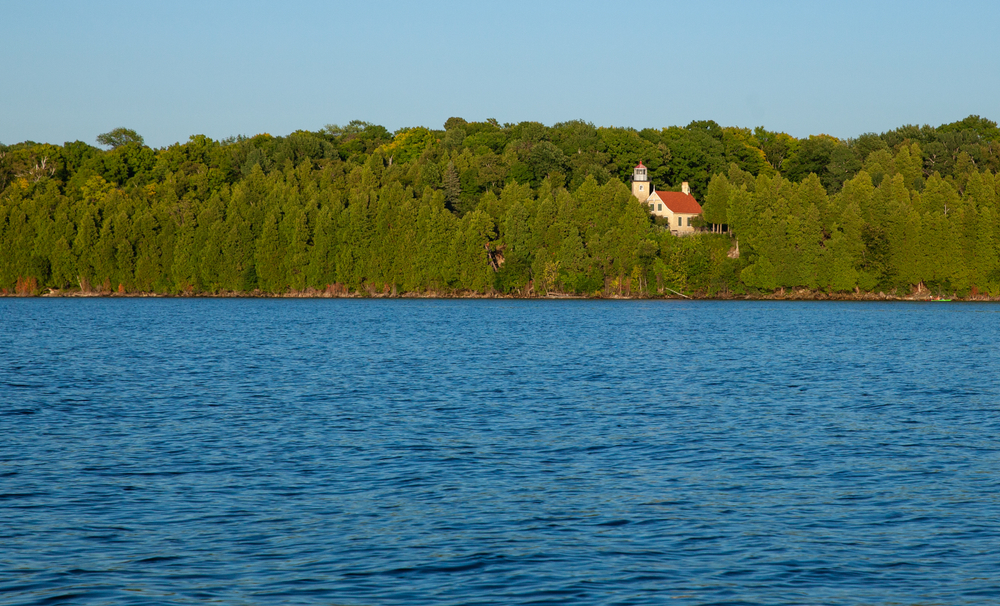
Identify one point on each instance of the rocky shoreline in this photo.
(802, 294)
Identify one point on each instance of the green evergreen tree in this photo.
(715, 209)
(270, 257)
(452, 186)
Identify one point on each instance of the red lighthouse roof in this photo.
(640, 165)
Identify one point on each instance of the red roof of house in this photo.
(679, 202)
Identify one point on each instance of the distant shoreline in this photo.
(779, 295)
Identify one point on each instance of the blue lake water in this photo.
(169, 451)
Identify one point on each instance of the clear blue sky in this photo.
(72, 70)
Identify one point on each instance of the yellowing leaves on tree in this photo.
(408, 144)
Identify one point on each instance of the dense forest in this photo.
(488, 208)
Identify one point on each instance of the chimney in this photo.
(685, 188)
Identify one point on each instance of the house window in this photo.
(660, 207)
(651, 207)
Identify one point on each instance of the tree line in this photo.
(519, 209)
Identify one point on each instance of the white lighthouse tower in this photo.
(641, 185)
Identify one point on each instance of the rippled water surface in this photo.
(474, 452)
